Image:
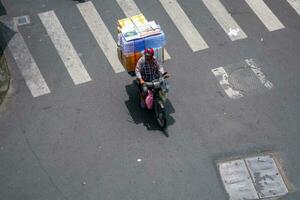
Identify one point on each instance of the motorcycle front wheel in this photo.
(160, 115)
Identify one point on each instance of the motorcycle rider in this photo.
(147, 69)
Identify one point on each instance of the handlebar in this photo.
(157, 82)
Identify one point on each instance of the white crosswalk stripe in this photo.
(184, 25)
(265, 14)
(27, 65)
(101, 34)
(130, 9)
(225, 20)
(295, 4)
(64, 48)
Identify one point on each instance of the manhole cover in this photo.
(22, 20)
(252, 178)
(244, 79)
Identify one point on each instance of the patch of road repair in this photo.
(254, 177)
(243, 78)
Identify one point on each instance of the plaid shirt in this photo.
(148, 71)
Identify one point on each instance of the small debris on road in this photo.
(233, 32)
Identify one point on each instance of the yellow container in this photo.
(129, 61)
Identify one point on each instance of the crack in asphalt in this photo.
(41, 165)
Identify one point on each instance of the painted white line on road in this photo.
(222, 76)
(64, 48)
(260, 75)
(184, 25)
(226, 21)
(101, 34)
(265, 14)
(295, 4)
(27, 65)
(130, 9)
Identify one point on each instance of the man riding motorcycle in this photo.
(147, 69)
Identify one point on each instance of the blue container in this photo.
(129, 47)
(153, 41)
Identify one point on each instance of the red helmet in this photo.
(149, 52)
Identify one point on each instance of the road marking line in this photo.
(226, 21)
(64, 48)
(27, 65)
(130, 9)
(260, 75)
(295, 4)
(222, 76)
(101, 34)
(184, 25)
(265, 14)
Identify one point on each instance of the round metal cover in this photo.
(244, 79)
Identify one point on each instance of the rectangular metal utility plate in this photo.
(255, 177)
(266, 176)
(237, 181)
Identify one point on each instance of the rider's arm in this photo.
(160, 67)
(138, 71)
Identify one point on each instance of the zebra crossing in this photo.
(105, 40)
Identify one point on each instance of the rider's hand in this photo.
(142, 81)
(167, 75)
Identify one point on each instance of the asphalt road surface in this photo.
(71, 127)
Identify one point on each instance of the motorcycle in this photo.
(156, 91)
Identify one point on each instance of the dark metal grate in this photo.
(22, 20)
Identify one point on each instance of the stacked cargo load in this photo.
(134, 35)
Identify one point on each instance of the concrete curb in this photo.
(4, 78)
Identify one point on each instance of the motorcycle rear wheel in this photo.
(160, 115)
